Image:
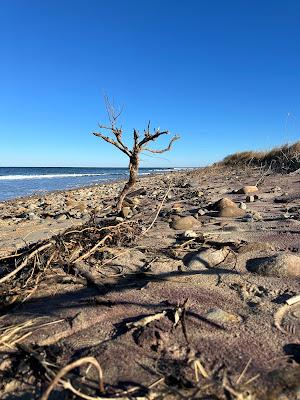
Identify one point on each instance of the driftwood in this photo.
(139, 145)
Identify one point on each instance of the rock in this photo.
(81, 206)
(33, 217)
(201, 212)
(256, 216)
(220, 316)
(189, 234)
(256, 246)
(248, 218)
(243, 206)
(208, 258)
(248, 189)
(279, 265)
(225, 202)
(183, 223)
(127, 212)
(250, 199)
(119, 219)
(61, 217)
(231, 212)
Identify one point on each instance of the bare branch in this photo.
(148, 137)
(112, 113)
(174, 138)
(117, 144)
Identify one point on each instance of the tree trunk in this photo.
(133, 173)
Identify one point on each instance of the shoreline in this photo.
(89, 186)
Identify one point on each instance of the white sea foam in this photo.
(46, 176)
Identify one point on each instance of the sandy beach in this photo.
(209, 258)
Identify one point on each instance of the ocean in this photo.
(25, 181)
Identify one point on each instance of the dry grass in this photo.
(285, 158)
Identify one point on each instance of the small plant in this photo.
(140, 144)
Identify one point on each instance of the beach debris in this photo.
(278, 265)
(139, 145)
(292, 300)
(145, 320)
(220, 316)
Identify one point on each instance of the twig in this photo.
(158, 211)
(243, 372)
(24, 263)
(67, 368)
(92, 250)
(293, 300)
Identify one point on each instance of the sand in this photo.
(233, 317)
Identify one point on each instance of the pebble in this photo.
(33, 217)
(250, 199)
(127, 212)
(189, 234)
(248, 189)
(279, 265)
(243, 206)
(208, 258)
(231, 212)
(201, 212)
(184, 223)
(61, 217)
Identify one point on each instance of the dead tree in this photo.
(140, 144)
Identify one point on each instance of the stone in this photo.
(243, 206)
(81, 206)
(250, 199)
(225, 202)
(278, 265)
(33, 217)
(256, 246)
(208, 258)
(61, 217)
(231, 212)
(189, 234)
(220, 316)
(184, 223)
(127, 212)
(256, 216)
(247, 189)
(201, 212)
(248, 218)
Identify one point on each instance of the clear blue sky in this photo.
(225, 75)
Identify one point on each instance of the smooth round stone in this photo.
(278, 265)
(184, 223)
(248, 189)
(208, 258)
(231, 212)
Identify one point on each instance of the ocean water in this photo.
(25, 181)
